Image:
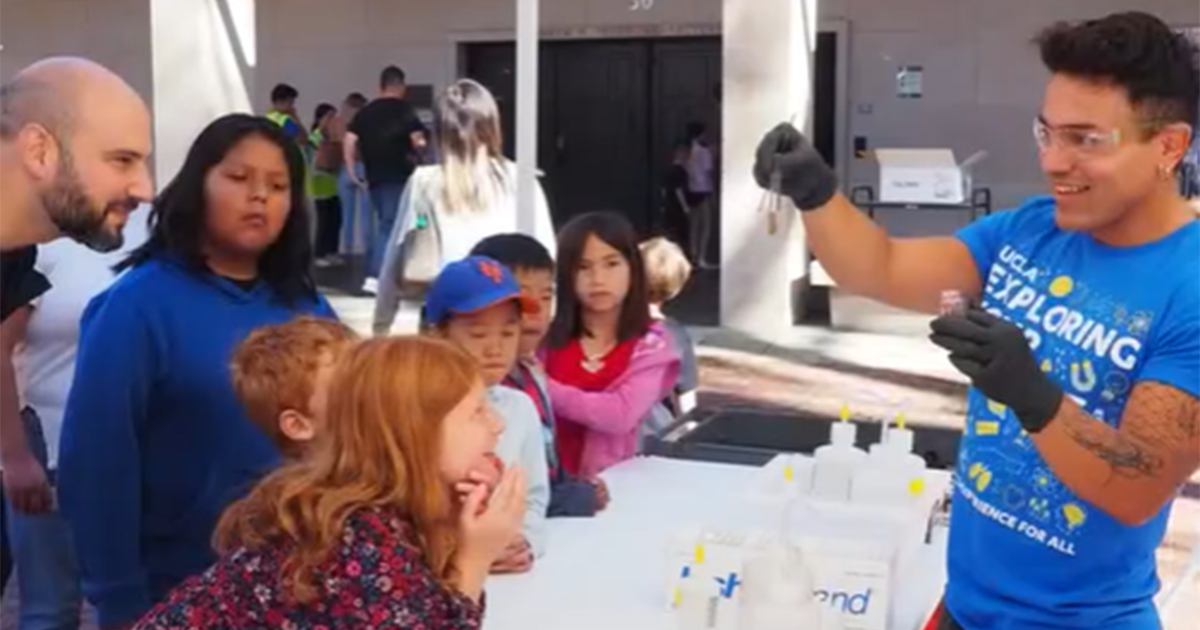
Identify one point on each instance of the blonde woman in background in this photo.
(471, 193)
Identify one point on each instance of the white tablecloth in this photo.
(608, 573)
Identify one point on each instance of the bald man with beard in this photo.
(74, 144)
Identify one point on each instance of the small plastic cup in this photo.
(953, 303)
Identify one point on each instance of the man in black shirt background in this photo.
(388, 136)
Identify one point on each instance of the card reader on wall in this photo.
(860, 148)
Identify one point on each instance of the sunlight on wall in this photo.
(768, 46)
(204, 54)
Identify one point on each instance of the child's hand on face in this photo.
(488, 525)
(602, 496)
(486, 472)
(517, 557)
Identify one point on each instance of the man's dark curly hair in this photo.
(1155, 65)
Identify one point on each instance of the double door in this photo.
(609, 113)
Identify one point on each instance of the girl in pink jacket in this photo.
(608, 363)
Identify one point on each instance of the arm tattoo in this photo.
(1125, 457)
(1160, 431)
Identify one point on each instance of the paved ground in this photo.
(813, 370)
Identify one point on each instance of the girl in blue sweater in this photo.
(154, 443)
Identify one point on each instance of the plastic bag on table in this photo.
(777, 585)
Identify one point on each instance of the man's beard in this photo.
(74, 213)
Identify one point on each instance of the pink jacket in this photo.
(612, 417)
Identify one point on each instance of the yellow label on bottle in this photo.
(789, 474)
(916, 486)
(699, 554)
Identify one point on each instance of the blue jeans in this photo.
(47, 572)
(386, 200)
(356, 210)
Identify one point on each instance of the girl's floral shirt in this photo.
(375, 579)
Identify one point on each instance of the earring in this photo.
(1164, 172)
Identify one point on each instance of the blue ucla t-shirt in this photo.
(1025, 552)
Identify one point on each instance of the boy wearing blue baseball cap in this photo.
(477, 304)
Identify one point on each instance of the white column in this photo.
(768, 59)
(527, 116)
(203, 67)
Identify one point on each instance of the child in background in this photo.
(667, 272)
(380, 529)
(608, 363)
(676, 208)
(533, 267)
(325, 149)
(476, 304)
(281, 375)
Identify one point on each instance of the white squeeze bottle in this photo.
(835, 463)
(892, 474)
(912, 466)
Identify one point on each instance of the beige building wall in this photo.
(982, 81)
(204, 61)
(354, 39)
(191, 60)
(115, 33)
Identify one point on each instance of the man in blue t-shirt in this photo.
(1084, 351)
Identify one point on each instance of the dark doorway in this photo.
(600, 126)
(825, 65)
(686, 82)
(494, 65)
(609, 111)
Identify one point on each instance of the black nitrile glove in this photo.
(995, 355)
(803, 174)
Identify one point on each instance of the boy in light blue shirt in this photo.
(477, 304)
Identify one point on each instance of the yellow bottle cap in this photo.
(845, 413)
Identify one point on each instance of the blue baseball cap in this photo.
(472, 284)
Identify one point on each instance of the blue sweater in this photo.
(155, 444)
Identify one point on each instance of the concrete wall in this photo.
(982, 81)
(983, 84)
(115, 33)
(330, 48)
(204, 67)
(191, 60)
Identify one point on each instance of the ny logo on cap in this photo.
(491, 270)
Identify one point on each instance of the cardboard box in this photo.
(924, 176)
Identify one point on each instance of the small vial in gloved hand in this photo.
(953, 303)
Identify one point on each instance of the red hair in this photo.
(388, 400)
